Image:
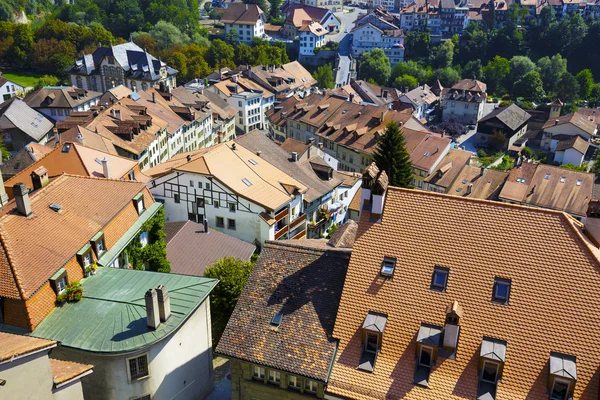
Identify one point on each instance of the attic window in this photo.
(247, 182)
(251, 161)
(426, 154)
(579, 182)
(138, 202)
(55, 207)
(66, 148)
(276, 321)
(547, 176)
(501, 291)
(521, 180)
(439, 279)
(563, 179)
(388, 266)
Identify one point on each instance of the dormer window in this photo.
(84, 256)
(372, 336)
(563, 376)
(59, 281)
(388, 267)
(501, 291)
(428, 341)
(98, 244)
(491, 365)
(138, 201)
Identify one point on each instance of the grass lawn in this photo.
(24, 79)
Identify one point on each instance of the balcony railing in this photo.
(281, 232)
(281, 214)
(300, 234)
(298, 221)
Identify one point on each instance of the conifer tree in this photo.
(392, 157)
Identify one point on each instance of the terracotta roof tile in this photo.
(303, 283)
(555, 284)
(63, 371)
(18, 345)
(579, 120)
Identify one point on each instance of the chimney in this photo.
(164, 303)
(246, 7)
(205, 223)
(232, 146)
(153, 97)
(294, 156)
(152, 316)
(320, 145)
(311, 141)
(469, 188)
(21, 194)
(555, 122)
(188, 157)
(105, 168)
(384, 94)
(235, 77)
(451, 329)
(39, 178)
(258, 153)
(56, 136)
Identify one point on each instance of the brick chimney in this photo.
(21, 194)
(152, 316)
(164, 303)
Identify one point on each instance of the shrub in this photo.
(74, 291)
(527, 152)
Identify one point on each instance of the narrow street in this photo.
(345, 62)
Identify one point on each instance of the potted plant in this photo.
(93, 268)
(88, 271)
(74, 291)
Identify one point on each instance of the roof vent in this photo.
(56, 207)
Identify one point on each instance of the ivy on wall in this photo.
(153, 256)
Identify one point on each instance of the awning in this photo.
(110, 255)
(375, 322)
(493, 349)
(563, 365)
(429, 334)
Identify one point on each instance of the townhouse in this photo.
(410, 324)
(297, 14)
(332, 5)
(311, 36)
(442, 18)
(21, 125)
(83, 226)
(9, 89)
(284, 81)
(24, 360)
(58, 102)
(125, 64)
(349, 132)
(329, 192)
(248, 20)
(372, 32)
(234, 189)
(421, 100)
(365, 93)
(464, 101)
(250, 99)
(566, 127)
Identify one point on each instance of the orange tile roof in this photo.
(581, 121)
(33, 249)
(555, 286)
(18, 345)
(78, 160)
(63, 371)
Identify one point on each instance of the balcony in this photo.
(299, 219)
(300, 235)
(281, 214)
(280, 233)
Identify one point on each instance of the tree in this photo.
(568, 88)
(324, 76)
(46, 80)
(262, 4)
(413, 69)
(551, 69)
(243, 54)
(519, 66)
(275, 10)
(586, 83)
(374, 65)
(215, 14)
(530, 86)
(405, 83)
(447, 76)
(473, 70)
(220, 54)
(207, 6)
(497, 140)
(496, 72)
(392, 157)
(166, 35)
(232, 274)
(452, 127)
(417, 45)
(596, 166)
(443, 55)
(232, 36)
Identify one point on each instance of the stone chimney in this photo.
(188, 158)
(56, 136)
(294, 156)
(454, 313)
(164, 303)
(152, 316)
(21, 194)
(105, 168)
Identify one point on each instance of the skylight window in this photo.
(251, 161)
(247, 182)
(521, 180)
(501, 291)
(55, 207)
(276, 321)
(547, 176)
(388, 266)
(563, 179)
(426, 154)
(439, 278)
(579, 182)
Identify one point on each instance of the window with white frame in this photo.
(138, 367)
(274, 377)
(61, 284)
(294, 382)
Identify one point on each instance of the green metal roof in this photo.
(111, 317)
(111, 254)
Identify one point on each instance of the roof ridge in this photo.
(474, 200)
(302, 248)
(179, 230)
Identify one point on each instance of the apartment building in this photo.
(332, 5)
(464, 101)
(296, 14)
(125, 64)
(250, 99)
(248, 20)
(421, 100)
(58, 102)
(372, 32)
(234, 190)
(311, 35)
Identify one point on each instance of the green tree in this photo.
(530, 86)
(405, 82)
(215, 14)
(586, 83)
(413, 69)
(166, 36)
(178, 61)
(551, 69)
(443, 55)
(153, 256)
(262, 4)
(232, 36)
(232, 274)
(417, 44)
(46, 80)
(473, 70)
(596, 166)
(496, 72)
(220, 54)
(447, 76)
(374, 65)
(568, 88)
(519, 66)
(275, 10)
(392, 156)
(324, 76)
(243, 54)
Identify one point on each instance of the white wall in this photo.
(27, 378)
(180, 365)
(72, 391)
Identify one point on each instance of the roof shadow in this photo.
(134, 328)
